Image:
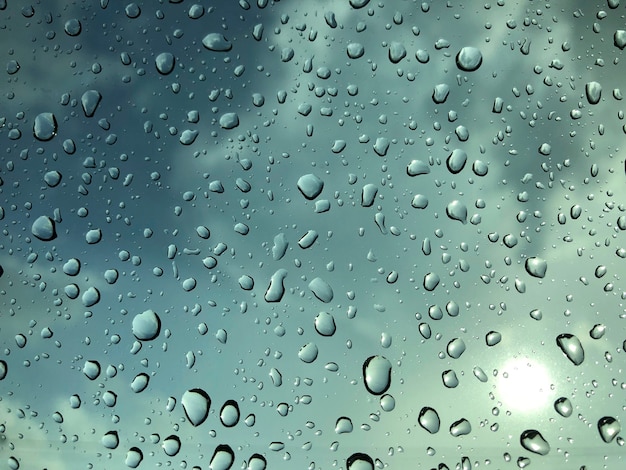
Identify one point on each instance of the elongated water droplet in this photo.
(460, 428)
(571, 347)
(171, 445)
(533, 441)
(377, 374)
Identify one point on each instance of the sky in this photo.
(421, 287)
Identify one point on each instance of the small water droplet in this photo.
(571, 347)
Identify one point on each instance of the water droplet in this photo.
(456, 210)
(52, 178)
(455, 348)
(256, 462)
(140, 382)
(609, 428)
(321, 289)
(73, 27)
(343, 425)
(223, 458)
(110, 440)
(460, 428)
(308, 353)
(387, 402)
(355, 50)
(536, 267)
(381, 146)
(480, 374)
(417, 167)
(229, 414)
(91, 369)
(469, 59)
(456, 161)
(368, 195)
(165, 63)
(310, 186)
(146, 325)
(397, 52)
(276, 289)
(3, 369)
(91, 297)
(377, 374)
(216, 42)
(93, 236)
(429, 420)
(440, 93)
(325, 324)
(571, 347)
(196, 404)
(431, 281)
(450, 379)
(593, 90)
(229, 121)
(134, 456)
(44, 229)
(90, 101)
(492, 338)
(619, 38)
(597, 331)
(359, 461)
(533, 441)
(171, 445)
(45, 126)
(563, 406)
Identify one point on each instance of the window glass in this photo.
(347, 234)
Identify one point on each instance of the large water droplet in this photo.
(359, 461)
(229, 120)
(257, 462)
(325, 324)
(450, 379)
(536, 267)
(460, 428)
(91, 369)
(431, 281)
(223, 458)
(469, 59)
(146, 325)
(171, 445)
(229, 414)
(165, 62)
(90, 101)
(455, 348)
(321, 289)
(110, 440)
(593, 90)
(196, 404)
(43, 228)
(308, 353)
(563, 406)
(45, 126)
(533, 441)
(456, 210)
(216, 42)
(429, 420)
(276, 289)
(140, 382)
(134, 456)
(343, 425)
(609, 428)
(571, 347)
(377, 374)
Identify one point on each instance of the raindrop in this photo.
(52, 178)
(536, 267)
(321, 289)
(140, 382)
(325, 324)
(571, 347)
(308, 353)
(3, 369)
(229, 120)
(91, 297)
(355, 50)
(229, 414)
(533, 441)
(45, 127)
(90, 101)
(146, 325)
(91, 369)
(563, 406)
(216, 42)
(196, 404)
(223, 458)
(460, 428)
(609, 428)
(310, 186)
(359, 461)
(377, 374)
(492, 338)
(387, 402)
(456, 210)
(593, 90)
(343, 425)
(165, 63)
(440, 93)
(455, 348)
(417, 167)
(134, 456)
(469, 59)
(397, 52)
(429, 420)
(256, 462)
(44, 229)
(456, 161)
(431, 281)
(73, 27)
(171, 445)
(93, 236)
(276, 289)
(381, 146)
(110, 440)
(368, 195)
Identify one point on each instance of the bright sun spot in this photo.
(523, 385)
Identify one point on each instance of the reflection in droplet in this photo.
(429, 420)
(196, 404)
(609, 428)
(571, 347)
(377, 374)
(460, 428)
(533, 441)
(563, 406)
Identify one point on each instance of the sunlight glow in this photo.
(523, 385)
